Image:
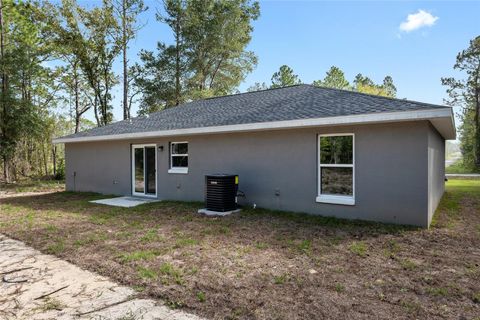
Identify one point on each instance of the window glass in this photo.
(179, 155)
(336, 181)
(179, 161)
(179, 148)
(336, 150)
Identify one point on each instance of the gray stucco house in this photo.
(300, 148)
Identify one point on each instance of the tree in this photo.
(216, 35)
(127, 12)
(257, 86)
(174, 57)
(27, 86)
(155, 78)
(208, 57)
(335, 78)
(366, 85)
(389, 87)
(284, 77)
(90, 35)
(466, 94)
(77, 89)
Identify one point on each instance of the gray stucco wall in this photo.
(391, 169)
(436, 170)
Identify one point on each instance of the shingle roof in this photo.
(287, 103)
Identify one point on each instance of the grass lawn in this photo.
(267, 265)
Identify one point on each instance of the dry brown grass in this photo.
(267, 265)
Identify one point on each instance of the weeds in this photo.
(359, 248)
(146, 273)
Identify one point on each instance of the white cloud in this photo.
(418, 20)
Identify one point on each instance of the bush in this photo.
(60, 174)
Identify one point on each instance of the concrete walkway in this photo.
(39, 286)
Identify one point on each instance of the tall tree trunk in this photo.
(45, 160)
(77, 102)
(126, 109)
(54, 160)
(95, 109)
(6, 174)
(177, 62)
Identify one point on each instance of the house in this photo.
(300, 148)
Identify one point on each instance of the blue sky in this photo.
(359, 37)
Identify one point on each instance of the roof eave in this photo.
(441, 118)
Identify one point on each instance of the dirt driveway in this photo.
(40, 286)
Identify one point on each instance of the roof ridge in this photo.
(377, 96)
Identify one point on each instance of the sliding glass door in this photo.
(144, 170)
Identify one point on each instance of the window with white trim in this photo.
(178, 157)
(336, 169)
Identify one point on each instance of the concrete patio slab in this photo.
(39, 286)
(125, 202)
(217, 213)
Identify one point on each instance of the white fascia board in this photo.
(447, 131)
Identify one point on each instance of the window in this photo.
(178, 157)
(336, 182)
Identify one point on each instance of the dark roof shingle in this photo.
(287, 103)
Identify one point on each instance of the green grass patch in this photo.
(146, 273)
(201, 296)
(56, 248)
(339, 288)
(185, 242)
(281, 279)
(302, 246)
(150, 236)
(359, 248)
(408, 264)
(170, 271)
(449, 209)
(437, 292)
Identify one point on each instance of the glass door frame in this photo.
(144, 193)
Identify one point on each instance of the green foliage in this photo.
(335, 78)
(201, 296)
(90, 38)
(208, 57)
(146, 273)
(462, 166)
(257, 86)
(465, 93)
(366, 85)
(359, 248)
(25, 90)
(339, 288)
(284, 77)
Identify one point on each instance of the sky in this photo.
(416, 43)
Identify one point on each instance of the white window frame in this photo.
(180, 170)
(144, 194)
(336, 199)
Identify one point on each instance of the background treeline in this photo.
(57, 63)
